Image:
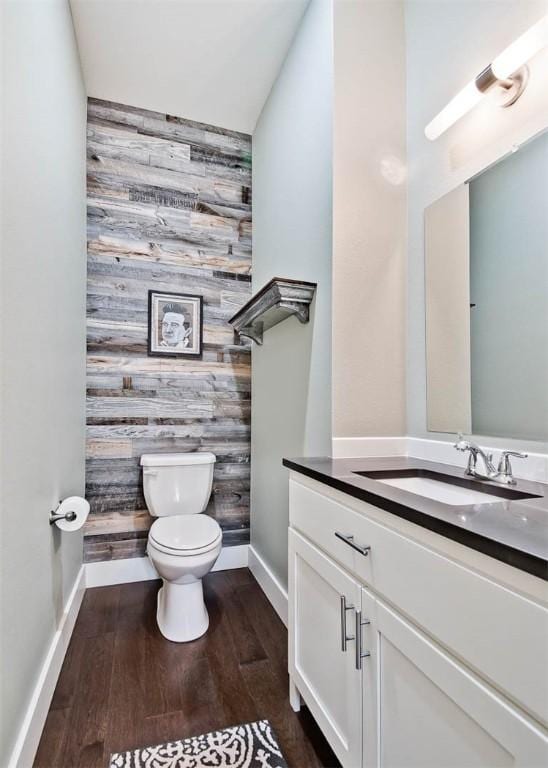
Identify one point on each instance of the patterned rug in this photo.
(252, 745)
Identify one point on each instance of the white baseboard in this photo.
(125, 571)
(233, 557)
(35, 717)
(534, 467)
(273, 589)
(107, 573)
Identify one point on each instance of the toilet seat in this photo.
(185, 535)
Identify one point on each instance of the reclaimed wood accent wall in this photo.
(169, 209)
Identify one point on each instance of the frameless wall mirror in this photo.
(486, 267)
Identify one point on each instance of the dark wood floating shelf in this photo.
(277, 300)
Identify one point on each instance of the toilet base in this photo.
(181, 613)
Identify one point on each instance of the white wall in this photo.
(369, 227)
(448, 43)
(291, 372)
(329, 181)
(42, 387)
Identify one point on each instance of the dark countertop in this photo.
(514, 531)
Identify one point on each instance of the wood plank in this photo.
(101, 136)
(91, 715)
(98, 615)
(52, 746)
(247, 644)
(225, 452)
(185, 408)
(180, 253)
(117, 522)
(195, 381)
(132, 365)
(117, 216)
(230, 354)
(101, 282)
(169, 208)
(105, 168)
(99, 551)
(115, 114)
(238, 705)
(109, 334)
(128, 679)
(66, 691)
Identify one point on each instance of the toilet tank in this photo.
(177, 483)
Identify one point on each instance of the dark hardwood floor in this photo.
(124, 686)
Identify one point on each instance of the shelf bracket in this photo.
(278, 299)
(253, 332)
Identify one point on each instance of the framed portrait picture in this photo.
(175, 324)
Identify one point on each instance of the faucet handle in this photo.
(505, 468)
(461, 444)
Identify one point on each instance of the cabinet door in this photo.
(325, 673)
(434, 713)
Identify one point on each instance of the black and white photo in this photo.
(175, 324)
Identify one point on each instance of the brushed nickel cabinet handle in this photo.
(360, 654)
(348, 538)
(344, 637)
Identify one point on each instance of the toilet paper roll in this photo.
(75, 504)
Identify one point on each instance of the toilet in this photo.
(183, 544)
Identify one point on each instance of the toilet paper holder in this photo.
(55, 516)
(71, 514)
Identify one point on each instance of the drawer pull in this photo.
(348, 538)
(344, 637)
(360, 654)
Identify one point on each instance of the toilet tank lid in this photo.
(176, 459)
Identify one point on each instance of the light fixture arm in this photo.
(511, 87)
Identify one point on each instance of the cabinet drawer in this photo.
(320, 519)
(498, 633)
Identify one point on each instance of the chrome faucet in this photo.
(474, 451)
(503, 473)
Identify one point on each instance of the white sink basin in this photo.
(447, 493)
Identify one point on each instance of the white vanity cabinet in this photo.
(384, 687)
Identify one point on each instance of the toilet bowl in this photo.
(183, 544)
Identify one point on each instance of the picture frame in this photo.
(175, 324)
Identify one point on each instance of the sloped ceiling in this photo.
(213, 61)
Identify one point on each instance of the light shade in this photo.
(521, 50)
(503, 71)
(457, 107)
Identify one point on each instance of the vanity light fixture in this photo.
(507, 72)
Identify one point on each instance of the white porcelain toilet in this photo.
(183, 544)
